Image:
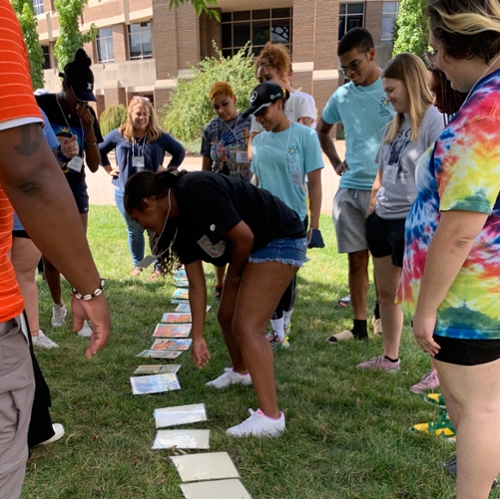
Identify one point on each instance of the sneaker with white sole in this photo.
(59, 313)
(86, 331)
(43, 341)
(229, 378)
(258, 425)
(381, 362)
(275, 341)
(58, 434)
(429, 381)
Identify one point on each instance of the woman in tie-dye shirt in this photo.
(451, 274)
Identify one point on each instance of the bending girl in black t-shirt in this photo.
(217, 219)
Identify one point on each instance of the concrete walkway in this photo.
(101, 191)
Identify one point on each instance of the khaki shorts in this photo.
(17, 387)
(349, 214)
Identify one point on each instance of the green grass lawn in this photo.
(347, 431)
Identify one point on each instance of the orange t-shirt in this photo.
(16, 102)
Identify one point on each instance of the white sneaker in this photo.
(86, 331)
(59, 314)
(258, 425)
(229, 378)
(59, 433)
(43, 341)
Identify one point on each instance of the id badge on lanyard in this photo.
(76, 164)
(138, 162)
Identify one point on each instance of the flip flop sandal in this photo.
(343, 336)
(344, 302)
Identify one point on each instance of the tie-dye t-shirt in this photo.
(461, 172)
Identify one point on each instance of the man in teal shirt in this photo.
(361, 107)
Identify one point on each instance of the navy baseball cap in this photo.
(262, 96)
(83, 88)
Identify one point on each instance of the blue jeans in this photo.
(135, 231)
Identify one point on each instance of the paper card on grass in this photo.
(180, 414)
(186, 308)
(172, 330)
(180, 273)
(205, 466)
(176, 300)
(157, 369)
(219, 489)
(182, 284)
(182, 439)
(156, 383)
(174, 344)
(159, 354)
(176, 318)
(181, 294)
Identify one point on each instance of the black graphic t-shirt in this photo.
(211, 205)
(67, 124)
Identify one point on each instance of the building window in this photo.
(257, 27)
(38, 6)
(351, 16)
(105, 47)
(46, 57)
(139, 37)
(389, 15)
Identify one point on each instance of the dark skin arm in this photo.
(41, 196)
(92, 154)
(327, 145)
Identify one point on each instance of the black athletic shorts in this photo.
(386, 237)
(467, 352)
(20, 233)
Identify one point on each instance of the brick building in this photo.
(142, 46)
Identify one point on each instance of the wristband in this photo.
(97, 292)
(91, 143)
(61, 157)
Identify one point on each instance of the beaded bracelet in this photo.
(91, 143)
(97, 292)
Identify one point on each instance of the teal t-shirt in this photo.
(363, 112)
(282, 160)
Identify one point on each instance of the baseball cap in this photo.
(262, 96)
(83, 87)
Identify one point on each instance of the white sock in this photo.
(287, 317)
(279, 326)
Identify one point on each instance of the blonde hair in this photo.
(220, 87)
(409, 69)
(275, 55)
(466, 28)
(153, 130)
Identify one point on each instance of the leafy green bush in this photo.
(411, 33)
(190, 110)
(112, 118)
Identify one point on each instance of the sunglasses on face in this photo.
(140, 97)
(352, 66)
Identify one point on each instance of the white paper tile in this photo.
(205, 466)
(218, 489)
(183, 439)
(181, 414)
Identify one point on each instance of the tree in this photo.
(412, 28)
(199, 5)
(27, 19)
(70, 38)
(190, 110)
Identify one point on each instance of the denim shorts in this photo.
(287, 250)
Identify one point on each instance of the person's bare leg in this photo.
(53, 279)
(25, 258)
(388, 276)
(472, 396)
(261, 287)
(219, 275)
(358, 283)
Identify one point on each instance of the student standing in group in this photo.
(201, 217)
(224, 145)
(140, 145)
(283, 155)
(70, 116)
(361, 107)
(413, 130)
(451, 270)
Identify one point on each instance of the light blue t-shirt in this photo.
(363, 112)
(282, 160)
(53, 142)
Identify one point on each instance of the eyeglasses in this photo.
(352, 66)
(430, 58)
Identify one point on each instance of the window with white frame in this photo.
(105, 47)
(140, 44)
(38, 6)
(352, 15)
(256, 26)
(389, 16)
